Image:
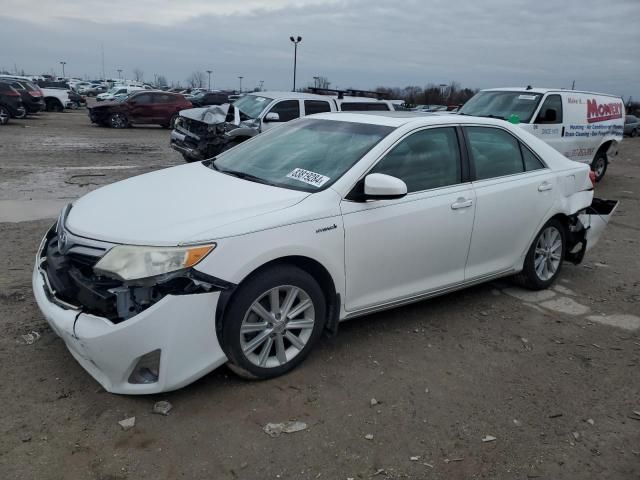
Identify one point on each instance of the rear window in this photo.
(316, 106)
(364, 107)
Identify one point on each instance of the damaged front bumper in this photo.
(164, 346)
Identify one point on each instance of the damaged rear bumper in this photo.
(178, 331)
(587, 227)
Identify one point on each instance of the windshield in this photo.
(306, 154)
(252, 105)
(502, 104)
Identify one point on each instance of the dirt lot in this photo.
(553, 376)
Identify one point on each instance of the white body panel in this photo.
(589, 120)
(376, 252)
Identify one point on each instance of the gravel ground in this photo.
(552, 376)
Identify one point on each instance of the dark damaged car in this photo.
(202, 133)
(141, 107)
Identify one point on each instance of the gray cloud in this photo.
(356, 43)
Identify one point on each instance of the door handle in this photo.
(544, 186)
(461, 203)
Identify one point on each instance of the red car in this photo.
(143, 107)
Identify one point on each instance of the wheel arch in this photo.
(312, 266)
(54, 100)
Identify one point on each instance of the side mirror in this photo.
(272, 117)
(550, 115)
(378, 186)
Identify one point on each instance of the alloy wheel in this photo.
(4, 116)
(277, 326)
(548, 254)
(599, 167)
(118, 120)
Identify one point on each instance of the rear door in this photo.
(514, 191)
(402, 248)
(163, 108)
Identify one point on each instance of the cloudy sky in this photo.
(355, 43)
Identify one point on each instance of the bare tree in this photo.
(138, 74)
(161, 81)
(197, 80)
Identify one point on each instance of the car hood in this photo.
(212, 115)
(175, 205)
(106, 104)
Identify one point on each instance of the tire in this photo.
(21, 115)
(634, 133)
(118, 120)
(546, 249)
(599, 165)
(172, 122)
(4, 115)
(265, 345)
(53, 105)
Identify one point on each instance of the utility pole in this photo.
(240, 78)
(573, 85)
(209, 72)
(295, 41)
(63, 64)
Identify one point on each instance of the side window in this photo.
(122, 90)
(143, 98)
(551, 111)
(163, 98)
(287, 109)
(364, 107)
(316, 106)
(427, 159)
(495, 152)
(531, 162)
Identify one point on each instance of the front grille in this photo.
(193, 126)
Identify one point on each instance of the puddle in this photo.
(565, 305)
(530, 296)
(626, 322)
(27, 210)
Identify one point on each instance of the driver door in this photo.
(287, 110)
(402, 248)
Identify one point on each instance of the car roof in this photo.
(291, 95)
(544, 90)
(400, 118)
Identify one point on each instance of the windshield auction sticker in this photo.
(308, 177)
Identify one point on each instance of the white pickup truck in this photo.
(201, 133)
(56, 99)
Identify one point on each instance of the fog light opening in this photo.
(147, 369)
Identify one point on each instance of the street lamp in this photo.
(209, 72)
(240, 78)
(295, 41)
(119, 73)
(63, 64)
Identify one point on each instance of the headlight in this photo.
(133, 263)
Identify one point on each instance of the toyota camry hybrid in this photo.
(248, 257)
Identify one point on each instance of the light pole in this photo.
(63, 64)
(209, 72)
(240, 78)
(295, 41)
(119, 73)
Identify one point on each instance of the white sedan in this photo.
(247, 258)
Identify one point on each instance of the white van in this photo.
(584, 126)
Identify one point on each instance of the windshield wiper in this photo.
(243, 176)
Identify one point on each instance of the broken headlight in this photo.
(127, 262)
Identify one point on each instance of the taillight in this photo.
(592, 177)
(12, 93)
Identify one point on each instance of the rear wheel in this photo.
(53, 105)
(118, 120)
(4, 115)
(544, 258)
(634, 133)
(272, 322)
(599, 165)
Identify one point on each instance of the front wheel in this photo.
(634, 133)
(273, 321)
(544, 258)
(118, 120)
(599, 165)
